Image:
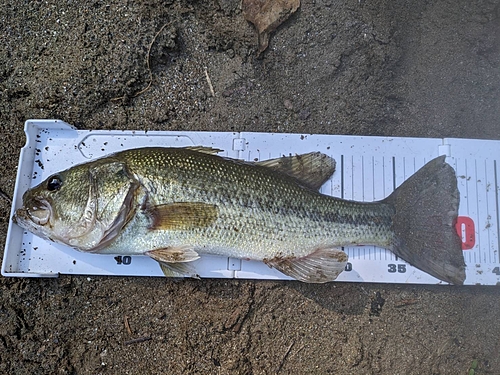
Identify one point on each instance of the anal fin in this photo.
(321, 266)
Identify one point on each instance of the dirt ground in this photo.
(381, 67)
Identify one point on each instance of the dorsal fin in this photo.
(204, 149)
(312, 169)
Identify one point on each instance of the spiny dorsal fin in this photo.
(312, 169)
(321, 266)
(204, 149)
(182, 215)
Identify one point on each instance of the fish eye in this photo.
(54, 183)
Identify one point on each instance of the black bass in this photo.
(173, 204)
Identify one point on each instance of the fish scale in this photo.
(272, 215)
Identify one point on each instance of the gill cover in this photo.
(108, 208)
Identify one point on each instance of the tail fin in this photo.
(426, 210)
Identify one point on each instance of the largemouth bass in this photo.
(173, 204)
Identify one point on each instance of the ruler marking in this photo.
(488, 215)
(487, 212)
(363, 177)
(478, 216)
(342, 176)
(497, 207)
(382, 253)
(469, 199)
(374, 177)
(383, 175)
(390, 255)
(394, 186)
(404, 172)
(352, 177)
(467, 178)
(393, 173)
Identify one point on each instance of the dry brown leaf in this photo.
(267, 15)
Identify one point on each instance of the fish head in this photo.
(84, 207)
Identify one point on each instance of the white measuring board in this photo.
(368, 169)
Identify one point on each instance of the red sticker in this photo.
(466, 231)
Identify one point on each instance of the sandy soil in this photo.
(382, 67)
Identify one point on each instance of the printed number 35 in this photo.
(400, 268)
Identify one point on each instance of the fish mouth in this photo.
(38, 211)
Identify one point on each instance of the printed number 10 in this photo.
(400, 268)
(126, 260)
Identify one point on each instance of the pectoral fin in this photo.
(321, 266)
(174, 261)
(182, 215)
(311, 170)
